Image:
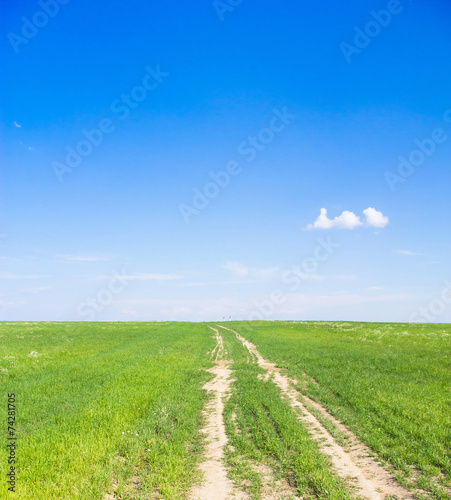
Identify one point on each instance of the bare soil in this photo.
(216, 484)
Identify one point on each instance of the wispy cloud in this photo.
(345, 277)
(82, 258)
(152, 277)
(36, 290)
(215, 283)
(4, 305)
(295, 305)
(295, 302)
(23, 259)
(255, 274)
(312, 276)
(349, 220)
(17, 125)
(13, 276)
(30, 148)
(407, 252)
(242, 271)
(143, 277)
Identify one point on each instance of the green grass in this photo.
(90, 389)
(389, 383)
(267, 431)
(84, 390)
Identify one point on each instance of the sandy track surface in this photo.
(216, 484)
(371, 480)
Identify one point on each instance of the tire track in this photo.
(371, 480)
(216, 484)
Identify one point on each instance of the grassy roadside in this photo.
(104, 403)
(389, 383)
(263, 429)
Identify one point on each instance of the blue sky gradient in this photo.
(220, 79)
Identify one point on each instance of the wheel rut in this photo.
(370, 479)
(216, 484)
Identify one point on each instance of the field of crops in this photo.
(133, 410)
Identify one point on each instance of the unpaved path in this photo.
(216, 485)
(372, 481)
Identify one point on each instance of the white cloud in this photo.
(17, 125)
(375, 218)
(349, 220)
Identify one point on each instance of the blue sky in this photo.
(224, 131)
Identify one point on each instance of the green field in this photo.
(389, 383)
(104, 402)
(118, 407)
